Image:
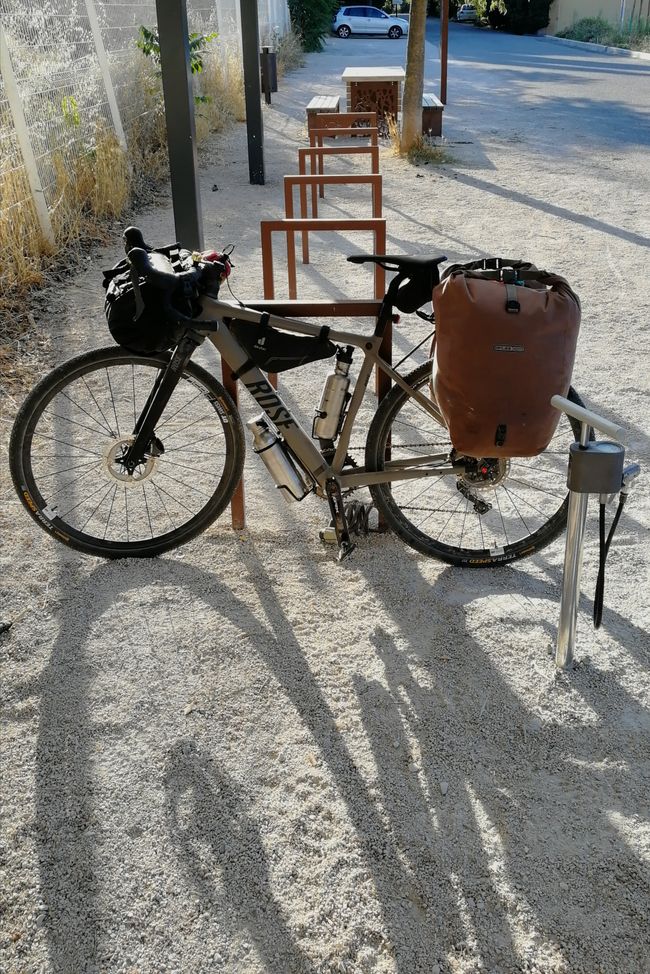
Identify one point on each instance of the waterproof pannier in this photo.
(278, 351)
(144, 325)
(505, 342)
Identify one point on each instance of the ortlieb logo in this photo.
(508, 348)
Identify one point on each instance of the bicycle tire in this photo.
(76, 424)
(446, 511)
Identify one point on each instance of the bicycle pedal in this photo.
(328, 535)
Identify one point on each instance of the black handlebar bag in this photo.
(137, 312)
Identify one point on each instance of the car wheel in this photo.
(344, 31)
(395, 32)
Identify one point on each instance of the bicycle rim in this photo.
(75, 426)
(464, 520)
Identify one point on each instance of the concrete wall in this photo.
(566, 12)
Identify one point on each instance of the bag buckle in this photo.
(512, 304)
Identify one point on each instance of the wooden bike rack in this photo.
(374, 180)
(316, 153)
(269, 227)
(317, 135)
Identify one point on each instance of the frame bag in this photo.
(505, 342)
(278, 351)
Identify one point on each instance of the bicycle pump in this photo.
(594, 468)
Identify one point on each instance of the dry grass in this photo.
(424, 150)
(92, 188)
(290, 53)
(95, 186)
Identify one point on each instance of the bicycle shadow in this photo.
(202, 803)
(431, 696)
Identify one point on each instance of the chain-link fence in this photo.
(73, 80)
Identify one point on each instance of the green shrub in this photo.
(595, 30)
(526, 16)
(311, 20)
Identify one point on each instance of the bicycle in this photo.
(124, 454)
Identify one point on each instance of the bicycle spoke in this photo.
(102, 426)
(117, 425)
(92, 396)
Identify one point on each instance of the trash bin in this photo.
(272, 68)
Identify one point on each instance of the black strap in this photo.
(604, 551)
(243, 369)
(324, 333)
(512, 304)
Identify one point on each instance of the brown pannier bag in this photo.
(505, 341)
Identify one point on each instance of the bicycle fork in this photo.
(145, 442)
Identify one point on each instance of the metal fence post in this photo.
(24, 142)
(250, 54)
(174, 42)
(105, 71)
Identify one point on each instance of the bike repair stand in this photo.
(594, 468)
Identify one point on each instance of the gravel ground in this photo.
(243, 757)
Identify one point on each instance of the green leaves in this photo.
(149, 44)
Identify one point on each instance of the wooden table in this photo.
(374, 90)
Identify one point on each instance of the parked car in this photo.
(368, 20)
(467, 12)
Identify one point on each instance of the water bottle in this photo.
(268, 445)
(329, 415)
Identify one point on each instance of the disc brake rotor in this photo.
(114, 466)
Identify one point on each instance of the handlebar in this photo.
(592, 419)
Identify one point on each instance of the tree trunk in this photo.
(414, 80)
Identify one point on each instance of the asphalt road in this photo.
(578, 99)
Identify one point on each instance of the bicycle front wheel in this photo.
(498, 512)
(73, 429)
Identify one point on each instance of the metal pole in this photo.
(24, 141)
(444, 46)
(174, 42)
(266, 75)
(575, 533)
(105, 71)
(250, 54)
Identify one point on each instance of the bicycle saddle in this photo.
(398, 262)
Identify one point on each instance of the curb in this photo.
(600, 48)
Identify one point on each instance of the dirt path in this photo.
(243, 757)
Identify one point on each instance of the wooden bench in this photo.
(319, 105)
(432, 109)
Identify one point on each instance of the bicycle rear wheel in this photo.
(71, 432)
(511, 509)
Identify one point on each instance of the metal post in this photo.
(250, 54)
(575, 532)
(105, 71)
(22, 135)
(174, 42)
(444, 47)
(266, 74)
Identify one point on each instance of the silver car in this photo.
(368, 20)
(467, 12)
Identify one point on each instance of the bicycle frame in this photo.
(271, 403)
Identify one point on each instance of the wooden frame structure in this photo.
(317, 135)
(314, 153)
(374, 180)
(322, 126)
(290, 226)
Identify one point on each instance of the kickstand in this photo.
(337, 510)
